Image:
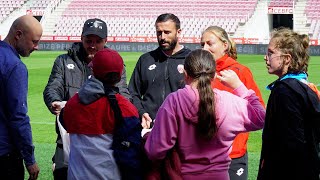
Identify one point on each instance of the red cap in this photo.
(106, 61)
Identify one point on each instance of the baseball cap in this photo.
(95, 26)
(106, 61)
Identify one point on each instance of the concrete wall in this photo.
(144, 47)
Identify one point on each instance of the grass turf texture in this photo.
(42, 121)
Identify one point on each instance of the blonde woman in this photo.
(215, 40)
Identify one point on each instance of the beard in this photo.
(90, 56)
(171, 45)
(22, 49)
(90, 52)
(23, 52)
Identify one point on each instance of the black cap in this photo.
(96, 27)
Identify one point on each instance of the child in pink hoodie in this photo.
(203, 122)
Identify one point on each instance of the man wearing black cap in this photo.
(69, 72)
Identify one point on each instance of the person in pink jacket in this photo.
(202, 122)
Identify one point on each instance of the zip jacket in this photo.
(154, 77)
(69, 72)
(239, 147)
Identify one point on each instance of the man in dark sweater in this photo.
(159, 72)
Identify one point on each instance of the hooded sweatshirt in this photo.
(89, 119)
(176, 122)
(239, 147)
(154, 77)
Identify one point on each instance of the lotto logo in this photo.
(240, 171)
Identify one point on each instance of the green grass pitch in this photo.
(42, 121)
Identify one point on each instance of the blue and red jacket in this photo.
(89, 112)
(90, 121)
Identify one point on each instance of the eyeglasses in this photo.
(269, 54)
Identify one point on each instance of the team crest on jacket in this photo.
(180, 68)
(152, 67)
(70, 66)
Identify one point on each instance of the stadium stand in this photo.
(43, 4)
(7, 7)
(281, 3)
(135, 18)
(312, 12)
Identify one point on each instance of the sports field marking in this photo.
(49, 123)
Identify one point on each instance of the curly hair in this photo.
(289, 42)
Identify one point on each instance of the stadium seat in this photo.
(8, 6)
(313, 17)
(122, 15)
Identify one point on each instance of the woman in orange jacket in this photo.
(215, 40)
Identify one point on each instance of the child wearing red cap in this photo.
(90, 120)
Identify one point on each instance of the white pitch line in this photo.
(48, 123)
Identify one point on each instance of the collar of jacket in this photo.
(301, 76)
(181, 54)
(6, 45)
(224, 62)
